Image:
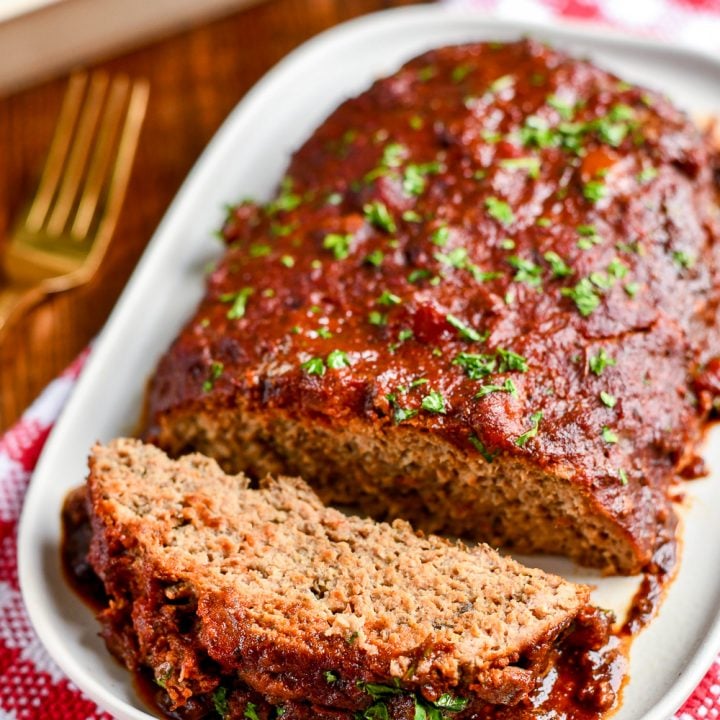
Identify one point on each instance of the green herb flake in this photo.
(377, 214)
(479, 445)
(508, 386)
(251, 711)
(416, 122)
(411, 216)
(529, 164)
(388, 298)
(543, 222)
(377, 318)
(331, 676)
(511, 361)
(476, 365)
(377, 691)
(527, 271)
(647, 174)
(599, 362)
(324, 333)
(499, 210)
(564, 109)
(434, 402)
(609, 436)
(617, 269)
(623, 476)
(338, 359)
(239, 302)
(460, 72)
(507, 244)
(584, 296)
(632, 288)
(535, 419)
(339, 244)
(504, 82)
(608, 399)
(451, 703)
(427, 73)
(456, 258)
(393, 155)
(557, 264)
(464, 331)
(405, 334)
(414, 177)
(288, 261)
(375, 258)
(334, 198)
(418, 274)
(220, 703)
(216, 370)
(440, 236)
(400, 414)
(313, 366)
(258, 250)
(594, 190)
(683, 259)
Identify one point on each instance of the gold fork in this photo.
(59, 241)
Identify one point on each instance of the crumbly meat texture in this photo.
(485, 299)
(282, 590)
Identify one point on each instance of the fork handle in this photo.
(14, 301)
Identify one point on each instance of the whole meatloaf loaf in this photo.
(243, 600)
(484, 298)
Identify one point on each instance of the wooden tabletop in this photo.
(196, 78)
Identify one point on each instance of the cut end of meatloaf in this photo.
(282, 590)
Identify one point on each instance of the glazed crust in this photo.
(483, 199)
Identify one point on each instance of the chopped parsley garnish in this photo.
(543, 222)
(476, 365)
(507, 244)
(617, 269)
(331, 676)
(405, 334)
(377, 214)
(499, 210)
(589, 237)
(279, 230)
(314, 366)
(216, 369)
(599, 362)
(377, 691)
(508, 386)
(460, 72)
(284, 202)
(400, 414)
(393, 155)
(594, 190)
(456, 258)
(584, 296)
(440, 236)
(411, 216)
(511, 361)
(451, 703)
(527, 271)
(434, 402)
(557, 264)
(609, 436)
(323, 332)
(683, 259)
(220, 703)
(388, 298)
(531, 164)
(623, 476)
(502, 83)
(338, 244)
(647, 174)
(479, 445)
(416, 122)
(535, 419)
(288, 261)
(632, 289)
(334, 198)
(375, 258)
(564, 109)
(464, 331)
(260, 250)
(377, 318)
(239, 302)
(427, 73)
(337, 360)
(418, 274)
(608, 399)
(251, 711)
(414, 177)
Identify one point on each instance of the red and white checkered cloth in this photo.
(32, 687)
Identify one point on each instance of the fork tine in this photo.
(78, 154)
(102, 157)
(57, 153)
(126, 149)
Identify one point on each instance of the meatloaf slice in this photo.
(267, 590)
(484, 299)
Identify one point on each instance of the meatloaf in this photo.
(235, 598)
(484, 299)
